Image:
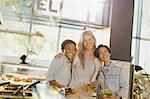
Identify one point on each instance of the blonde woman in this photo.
(86, 65)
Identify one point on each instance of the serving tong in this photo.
(4, 83)
(25, 87)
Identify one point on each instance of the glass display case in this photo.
(10, 71)
(26, 74)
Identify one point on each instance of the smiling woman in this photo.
(59, 72)
(85, 65)
(111, 76)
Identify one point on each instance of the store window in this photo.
(84, 10)
(141, 34)
(144, 56)
(52, 21)
(145, 30)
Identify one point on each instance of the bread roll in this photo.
(17, 79)
(29, 80)
(23, 80)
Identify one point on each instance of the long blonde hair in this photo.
(81, 48)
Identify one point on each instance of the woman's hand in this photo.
(58, 55)
(54, 83)
(61, 86)
(88, 87)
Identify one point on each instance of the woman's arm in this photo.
(55, 83)
(54, 69)
(58, 55)
(97, 67)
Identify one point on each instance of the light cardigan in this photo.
(97, 66)
(59, 70)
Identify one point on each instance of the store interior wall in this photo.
(121, 29)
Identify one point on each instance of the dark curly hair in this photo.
(66, 42)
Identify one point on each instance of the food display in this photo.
(16, 78)
(22, 79)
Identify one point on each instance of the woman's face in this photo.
(88, 42)
(104, 54)
(70, 51)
